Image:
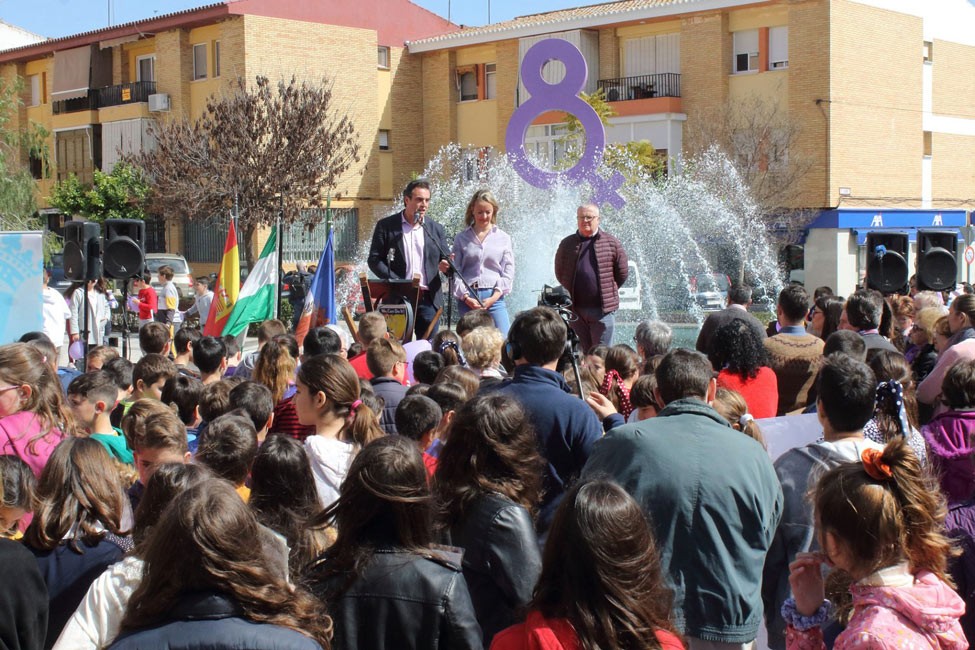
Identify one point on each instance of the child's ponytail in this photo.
(362, 425)
(921, 506)
(887, 510)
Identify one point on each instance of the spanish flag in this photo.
(228, 286)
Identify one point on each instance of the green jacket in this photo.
(714, 502)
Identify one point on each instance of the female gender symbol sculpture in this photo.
(562, 96)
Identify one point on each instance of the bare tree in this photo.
(757, 135)
(275, 149)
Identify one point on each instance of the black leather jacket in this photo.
(501, 562)
(401, 601)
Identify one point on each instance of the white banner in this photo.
(21, 284)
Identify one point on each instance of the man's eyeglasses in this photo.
(587, 219)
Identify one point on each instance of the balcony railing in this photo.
(137, 91)
(86, 103)
(645, 86)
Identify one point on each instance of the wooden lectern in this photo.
(396, 300)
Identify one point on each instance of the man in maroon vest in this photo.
(591, 264)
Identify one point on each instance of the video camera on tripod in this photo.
(557, 298)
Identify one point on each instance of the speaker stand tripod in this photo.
(125, 318)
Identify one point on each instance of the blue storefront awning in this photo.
(879, 219)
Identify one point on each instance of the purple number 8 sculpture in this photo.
(562, 96)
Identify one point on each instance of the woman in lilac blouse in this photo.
(483, 256)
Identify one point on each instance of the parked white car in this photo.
(631, 291)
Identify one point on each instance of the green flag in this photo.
(255, 303)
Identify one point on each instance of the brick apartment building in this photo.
(882, 93)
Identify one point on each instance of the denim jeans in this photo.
(498, 311)
(593, 327)
(425, 313)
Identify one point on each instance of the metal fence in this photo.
(645, 86)
(155, 235)
(299, 244)
(203, 240)
(137, 91)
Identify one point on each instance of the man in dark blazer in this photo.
(406, 243)
(739, 298)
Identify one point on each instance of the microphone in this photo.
(418, 217)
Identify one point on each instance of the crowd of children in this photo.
(338, 496)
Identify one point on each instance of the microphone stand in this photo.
(451, 272)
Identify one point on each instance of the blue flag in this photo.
(320, 306)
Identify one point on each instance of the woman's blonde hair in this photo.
(732, 407)
(482, 347)
(487, 197)
(927, 318)
(275, 367)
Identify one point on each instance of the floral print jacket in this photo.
(914, 616)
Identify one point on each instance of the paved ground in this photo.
(135, 353)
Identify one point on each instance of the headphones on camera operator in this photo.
(556, 298)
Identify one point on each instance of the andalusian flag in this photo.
(227, 288)
(256, 300)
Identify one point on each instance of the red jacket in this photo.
(761, 392)
(611, 262)
(540, 633)
(148, 303)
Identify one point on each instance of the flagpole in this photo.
(277, 285)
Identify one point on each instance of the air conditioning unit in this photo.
(159, 102)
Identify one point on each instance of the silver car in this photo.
(710, 291)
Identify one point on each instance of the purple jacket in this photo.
(960, 526)
(949, 438)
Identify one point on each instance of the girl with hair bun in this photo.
(387, 587)
(448, 345)
(881, 521)
(327, 397)
(33, 416)
(602, 584)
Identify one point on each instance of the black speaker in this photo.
(82, 251)
(887, 270)
(937, 259)
(125, 244)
